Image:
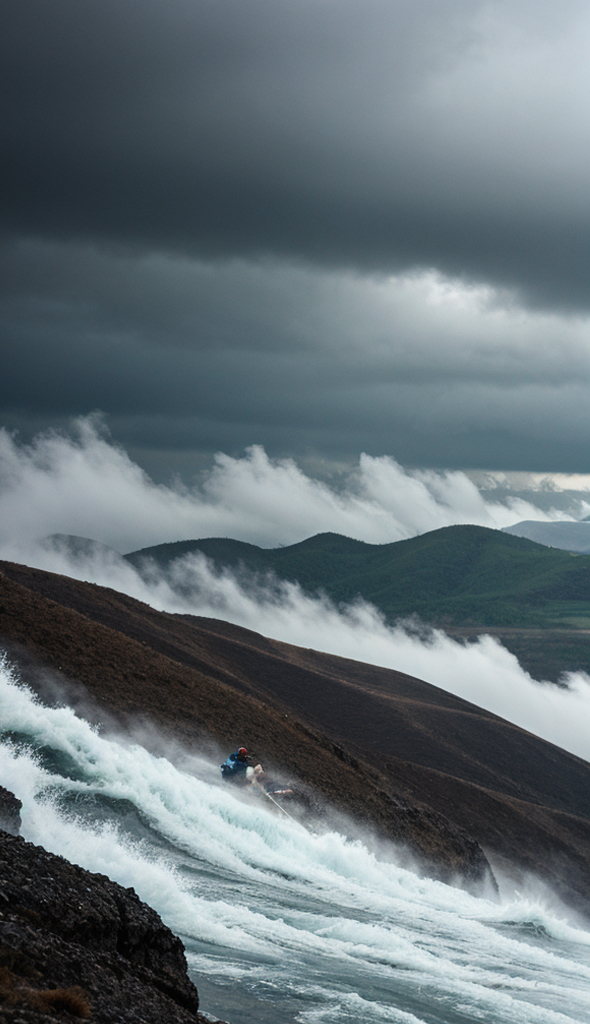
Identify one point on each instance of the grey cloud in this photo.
(328, 327)
(377, 136)
(204, 202)
(183, 355)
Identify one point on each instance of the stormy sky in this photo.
(324, 227)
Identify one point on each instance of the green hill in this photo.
(455, 576)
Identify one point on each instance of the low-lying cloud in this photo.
(482, 672)
(82, 484)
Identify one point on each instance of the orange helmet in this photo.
(242, 750)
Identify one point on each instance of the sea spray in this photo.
(283, 923)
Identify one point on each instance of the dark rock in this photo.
(10, 808)
(78, 944)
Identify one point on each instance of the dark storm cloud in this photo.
(377, 136)
(325, 227)
(188, 355)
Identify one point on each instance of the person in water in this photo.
(240, 768)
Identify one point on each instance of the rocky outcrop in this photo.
(77, 945)
(10, 808)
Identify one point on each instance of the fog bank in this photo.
(83, 484)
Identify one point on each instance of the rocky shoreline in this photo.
(75, 945)
(10, 808)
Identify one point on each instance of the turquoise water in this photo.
(282, 924)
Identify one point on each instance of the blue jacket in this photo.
(232, 768)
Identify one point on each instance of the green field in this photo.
(456, 577)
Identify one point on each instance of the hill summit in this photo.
(464, 579)
(458, 575)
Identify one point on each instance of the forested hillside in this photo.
(459, 575)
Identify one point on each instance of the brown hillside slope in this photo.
(128, 680)
(524, 798)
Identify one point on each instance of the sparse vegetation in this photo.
(14, 991)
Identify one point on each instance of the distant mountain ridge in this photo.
(454, 576)
(467, 580)
(567, 536)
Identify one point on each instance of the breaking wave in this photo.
(281, 923)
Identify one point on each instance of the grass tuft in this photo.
(71, 1000)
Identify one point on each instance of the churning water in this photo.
(282, 925)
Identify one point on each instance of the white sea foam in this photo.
(320, 920)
